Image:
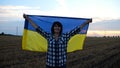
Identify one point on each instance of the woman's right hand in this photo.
(24, 15)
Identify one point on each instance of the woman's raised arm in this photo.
(77, 29)
(37, 28)
(31, 22)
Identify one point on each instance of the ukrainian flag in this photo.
(33, 41)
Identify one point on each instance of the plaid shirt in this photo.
(57, 50)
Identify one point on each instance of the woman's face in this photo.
(57, 29)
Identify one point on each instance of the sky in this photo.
(105, 14)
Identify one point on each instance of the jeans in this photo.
(64, 66)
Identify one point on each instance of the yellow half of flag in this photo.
(33, 41)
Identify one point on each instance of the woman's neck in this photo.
(56, 35)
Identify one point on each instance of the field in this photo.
(98, 52)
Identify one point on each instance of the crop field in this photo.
(98, 52)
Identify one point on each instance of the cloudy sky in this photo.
(105, 14)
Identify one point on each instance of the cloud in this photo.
(13, 10)
(17, 7)
(103, 33)
(61, 2)
(112, 24)
(16, 11)
(101, 19)
(8, 13)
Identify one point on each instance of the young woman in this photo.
(57, 42)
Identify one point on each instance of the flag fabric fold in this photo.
(33, 41)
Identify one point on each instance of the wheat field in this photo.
(98, 52)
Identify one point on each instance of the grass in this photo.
(98, 52)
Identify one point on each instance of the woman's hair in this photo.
(56, 23)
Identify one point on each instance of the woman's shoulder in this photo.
(63, 34)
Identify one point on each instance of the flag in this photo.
(33, 41)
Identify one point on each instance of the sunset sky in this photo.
(105, 14)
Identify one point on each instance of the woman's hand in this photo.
(30, 21)
(85, 23)
(25, 16)
(88, 21)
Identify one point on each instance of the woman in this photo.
(57, 42)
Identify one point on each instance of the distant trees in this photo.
(111, 36)
(2, 33)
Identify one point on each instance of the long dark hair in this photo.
(56, 23)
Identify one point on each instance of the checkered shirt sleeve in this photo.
(73, 32)
(43, 33)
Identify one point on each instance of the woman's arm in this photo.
(38, 29)
(85, 23)
(77, 29)
(30, 21)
